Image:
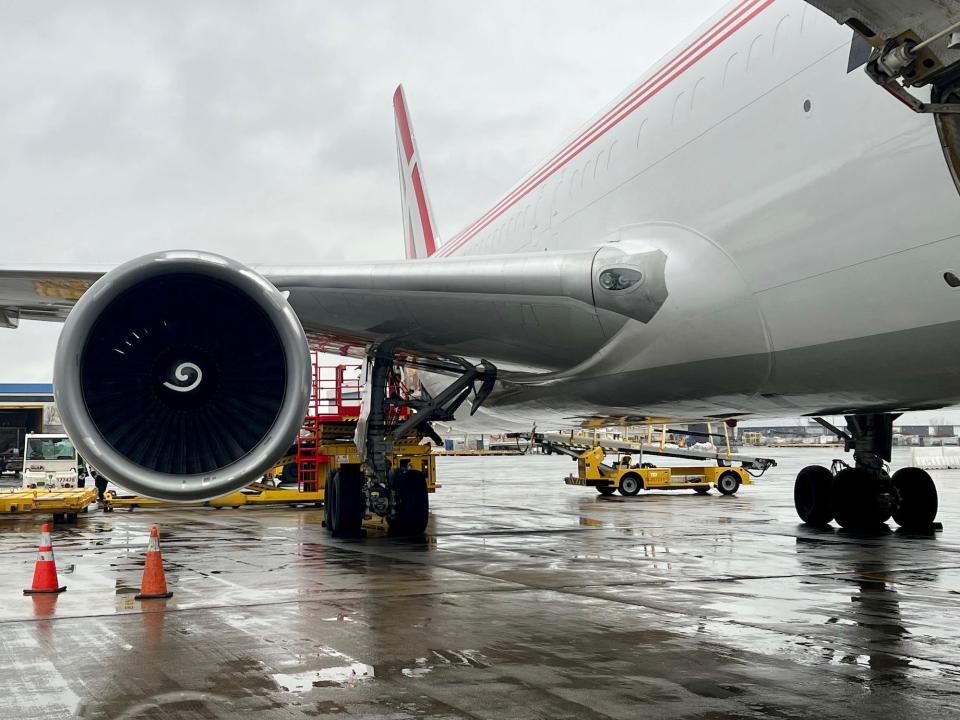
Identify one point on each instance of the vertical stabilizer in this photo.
(419, 229)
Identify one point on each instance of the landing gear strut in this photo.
(864, 496)
(397, 493)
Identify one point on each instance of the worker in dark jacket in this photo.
(101, 482)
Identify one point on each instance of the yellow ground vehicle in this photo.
(256, 494)
(630, 478)
(64, 504)
(629, 474)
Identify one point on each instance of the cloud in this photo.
(264, 131)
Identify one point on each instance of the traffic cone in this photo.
(45, 569)
(154, 583)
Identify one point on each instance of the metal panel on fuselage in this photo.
(822, 207)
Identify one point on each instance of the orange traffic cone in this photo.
(45, 570)
(154, 583)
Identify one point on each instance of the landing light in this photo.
(619, 278)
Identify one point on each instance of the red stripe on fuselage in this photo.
(717, 34)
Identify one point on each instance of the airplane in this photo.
(765, 224)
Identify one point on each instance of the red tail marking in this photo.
(424, 215)
(400, 108)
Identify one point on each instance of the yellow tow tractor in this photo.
(630, 478)
(727, 471)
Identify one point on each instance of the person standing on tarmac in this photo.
(101, 482)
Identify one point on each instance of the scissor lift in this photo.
(628, 474)
(326, 441)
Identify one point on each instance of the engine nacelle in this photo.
(182, 375)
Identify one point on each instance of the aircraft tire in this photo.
(813, 495)
(346, 508)
(918, 498)
(630, 485)
(606, 490)
(413, 510)
(728, 483)
(702, 490)
(856, 501)
(329, 500)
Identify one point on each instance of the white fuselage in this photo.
(796, 227)
(800, 207)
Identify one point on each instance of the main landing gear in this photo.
(864, 496)
(384, 483)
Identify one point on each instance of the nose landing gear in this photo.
(864, 497)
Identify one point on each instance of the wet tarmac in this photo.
(528, 599)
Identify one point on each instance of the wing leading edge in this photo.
(42, 293)
(541, 311)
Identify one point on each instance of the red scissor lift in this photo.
(335, 398)
(326, 438)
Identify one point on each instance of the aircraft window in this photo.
(727, 71)
(555, 201)
(698, 88)
(952, 279)
(619, 278)
(640, 131)
(779, 33)
(676, 106)
(753, 52)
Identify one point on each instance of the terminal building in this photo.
(25, 408)
(30, 408)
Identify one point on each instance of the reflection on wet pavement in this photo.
(529, 599)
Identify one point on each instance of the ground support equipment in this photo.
(257, 494)
(64, 504)
(628, 474)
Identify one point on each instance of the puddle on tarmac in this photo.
(464, 658)
(344, 676)
(419, 670)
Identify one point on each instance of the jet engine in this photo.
(182, 375)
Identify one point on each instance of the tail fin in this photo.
(419, 229)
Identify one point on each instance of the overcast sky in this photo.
(264, 130)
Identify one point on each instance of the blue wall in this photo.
(26, 388)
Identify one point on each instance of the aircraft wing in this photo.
(42, 293)
(538, 311)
